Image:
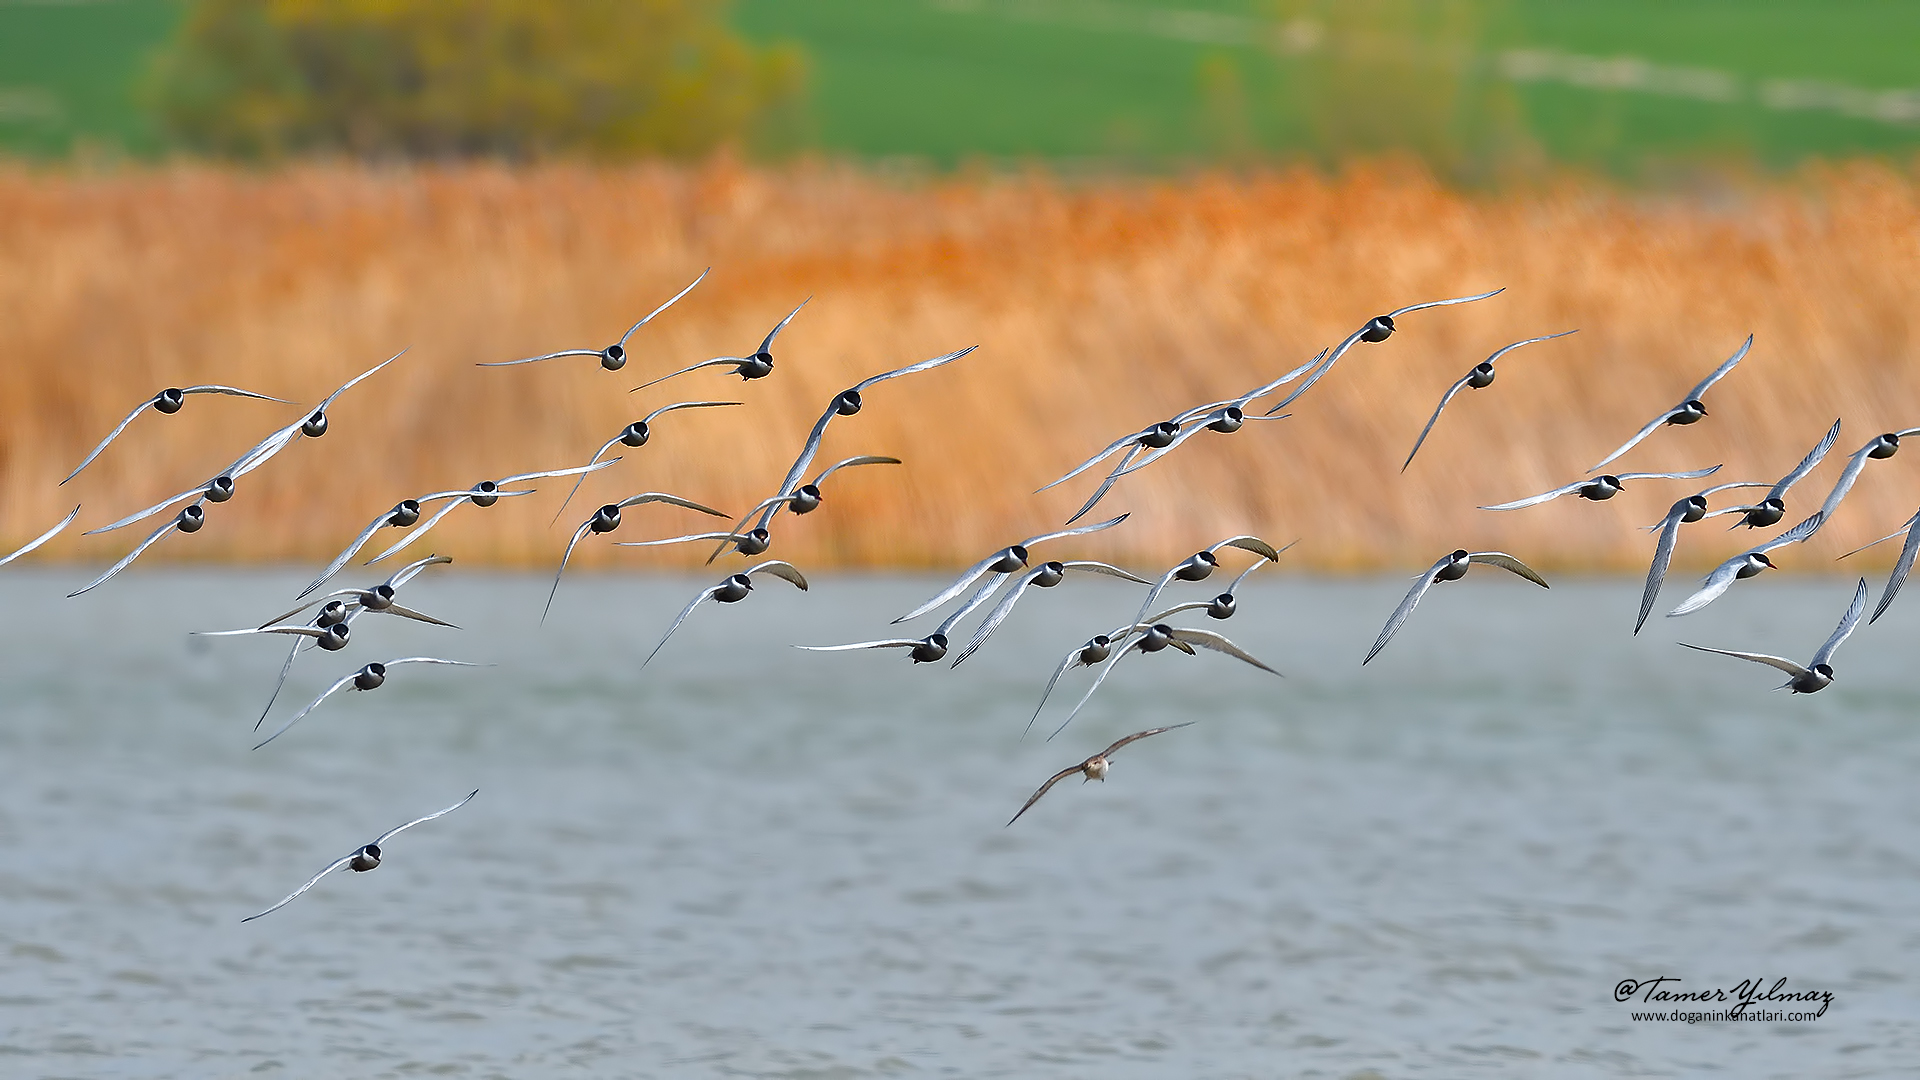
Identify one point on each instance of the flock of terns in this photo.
(326, 622)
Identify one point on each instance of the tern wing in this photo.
(578, 470)
(43, 537)
(1530, 341)
(357, 378)
(1535, 500)
(959, 586)
(162, 531)
(767, 345)
(345, 680)
(1662, 558)
(1399, 616)
(436, 814)
(537, 359)
(1794, 535)
(1847, 623)
(112, 435)
(998, 615)
(847, 463)
(233, 391)
(665, 306)
(1207, 639)
(1900, 567)
(1652, 426)
(1807, 463)
(1106, 485)
(285, 667)
(715, 362)
(890, 643)
(1431, 420)
(1051, 683)
(1088, 566)
(1716, 583)
(149, 511)
(421, 530)
(575, 489)
(671, 500)
(340, 560)
(1847, 476)
(1112, 448)
(1782, 663)
(1444, 303)
(910, 369)
(577, 534)
(1325, 366)
(1693, 474)
(1721, 371)
(416, 616)
(705, 594)
(415, 569)
(1046, 787)
(649, 418)
(1508, 563)
(311, 882)
(1081, 531)
(785, 571)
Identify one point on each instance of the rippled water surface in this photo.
(748, 860)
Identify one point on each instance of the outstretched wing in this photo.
(665, 306)
(1444, 303)
(1112, 448)
(1692, 474)
(311, 882)
(1508, 563)
(1138, 735)
(1782, 663)
(1662, 558)
(1046, 787)
(43, 537)
(890, 643)
(1407, 604)
(1718, 582)
(1900, 567)
(112, 435)
(311, 705)
(172, 524)
(705, 594)
(1652, 426)
(1207, 639)
(437, 813)
(1813, 458)
(785, 571)
(1721, 371)
(1796, 534)
(767, 344)
(998, 615)
(1535, 500)
(1431, 420)
(340, 560)
(1081, 531)
(1847, 622)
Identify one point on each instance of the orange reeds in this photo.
(1099, 307)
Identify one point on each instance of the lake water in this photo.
(748, 860)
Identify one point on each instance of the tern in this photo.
(804, 499)
(846, 403)
(1200, 565)
(1094, 768)
(731, 590)
(923, 650)
(370, 677)
(1901, 567)
(190, 519)
(1684, 512)
(1145, 637)
(607, 518)
(635, 435)
(1601, 488)
(1044, 576)
(484, 494)
(1770, 510)
(1376, 329)
(1689, 411)
(1479, 378)
(43, 537)
(1745, 565)
(1818, 674)
(1008, 560)
(1451, 567)
(1878, 448)
(614, 356)
(167, 402)
(757, 366)
(363, 859)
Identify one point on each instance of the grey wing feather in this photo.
(128, 558)
(414, 569)
(1657, 572)
(547, 356)
(357, 378)
(43, 537)
(232, 391)
(1847, 476)
(1444, 303)
(1051, 683)
(575, 490)
(112, 435)
(688, 539)
(1847, 623)
(715, 362)
(997, 616)
(385, 836)
(979, 597)
(1121, 647)
(1796, 534)
(285, 667)
(671, 500)
(1535, 500)
(1207, 639)
(890, 643)
(1807, 463)
(1405, 609)
(345, 680)
(1530, 341)
(1088, 566)
(684, 612)
(581, 470)
(1081, 531)
(1693, 474)
(959, 586)
(1251, 543)
(785, 571)
(649, 418)
(311, 882)
(665, 306)
(910, 369)
(555, 591)
(1780, 662)
(1431, 420)
(416, 616)
(421, 530)
(1113, 447)
(1325, 366)
(1106, 484)
(1652, 426)
(340, 560)
(863, 459)
(805, 460)
(775, 332)
(1508, 563)
(149, 511)
(1900, 568)
(1717, 582)
(1721, 371)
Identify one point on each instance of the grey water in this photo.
(748, 860)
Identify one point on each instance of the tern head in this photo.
(755, 542)
(1011, 559)
(1885, 446)
(1221, 607)
(1197, 566)
(336, 638)
(1231, 419)
(485, 493)
(370, 678)
(191, 519)
(613, 357)
(635, 434)
(1096, 649)
(734, 589)
(1378, 328)
(1769, 512)
(1694, 508)
(1157, 637)
(169, 400)
(1456, 567)
(220, 489)
(1756, 562)
(1051, 574)
(404, 513)
(931, 649)
(1481, 376)
(847, 402)
(1601, 488)
(331, 614)
(605, 520)
(1160, 434)
(366, 858)
(378, 598)
(805, 499)
(757, 366)
(316, 424)
(1689, 412)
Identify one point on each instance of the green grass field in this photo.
(1157, 82)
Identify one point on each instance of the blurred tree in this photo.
(436, 78)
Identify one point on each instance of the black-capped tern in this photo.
(635, 435)
(1479, 378)
(167, 402)
(1376, 329)
(1745, 565)
(1689, 411)
(1818, 674)
(483, 494)
(1684, 512)
(1878, 448)
(614, 356)
(1150, 637)
(1600, 488)
(1201, 564)
(1768, 511)
(1094, 768)
(731, 590)
(362, 859)
(1044, 576)
(923, 650)
(757, 366)
(191, 519)
(607, 518)
(804, 499)
(371, 677)
(1451, 567)
(1008, 560)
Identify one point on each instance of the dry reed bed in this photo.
(1098, 308)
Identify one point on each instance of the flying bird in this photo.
(1689, 411)
(1008, 560)
(370, 677)
(757, 366)
(1818, 674)
(1149, 638)
(1451, 567)
(1094, 768)
(1479, 378)
(1745, 565)
(1376, 329)
(614, 356)
(1770, 510)
(484, 494)
(1901, 567)
(43, 537)
(1600, 488)
(363, 859)
(1684, 512)
(1044, 576)
(189, 520)
(167, 402)
(846, 403)
(607, 518)
(1878, 448)
(634, 435)
(922, 650)
(1200, 565)
(732, 590)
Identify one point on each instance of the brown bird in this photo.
(1095, 767)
